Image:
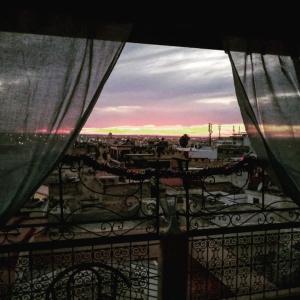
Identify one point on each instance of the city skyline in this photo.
(168, 91)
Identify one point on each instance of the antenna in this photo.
(210, 131)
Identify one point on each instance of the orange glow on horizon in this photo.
(54, 131)
(166, 130)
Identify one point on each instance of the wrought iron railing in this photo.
(109, 244)
(259, 264)
(85, 270)
(145, 207)
(234, 263)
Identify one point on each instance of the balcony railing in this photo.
(109, 244)
(259, 264)
(86, 270)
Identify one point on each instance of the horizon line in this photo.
(166, 130)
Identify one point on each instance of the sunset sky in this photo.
(167, 90)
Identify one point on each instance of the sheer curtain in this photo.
(268, 92)
(48, 87)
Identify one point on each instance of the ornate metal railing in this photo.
(86, 270)
(142, 204)
(108, 243)
(259, 264)
(252, 262)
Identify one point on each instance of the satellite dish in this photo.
(259, 187)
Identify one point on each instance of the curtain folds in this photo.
(268, 92)
(48, 87)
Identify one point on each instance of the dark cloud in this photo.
(185, 71)
(172, 85)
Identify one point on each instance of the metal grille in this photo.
(115, 271)
(237, 249)
(259, 264)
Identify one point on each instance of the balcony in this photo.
(204, 233)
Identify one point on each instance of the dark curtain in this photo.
(48, 87)
(268, 92)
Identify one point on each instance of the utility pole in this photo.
(233, 130)
(210, 131)
(219, 128)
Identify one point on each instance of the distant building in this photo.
(204, 152)
(118, 152)
(237, 139)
